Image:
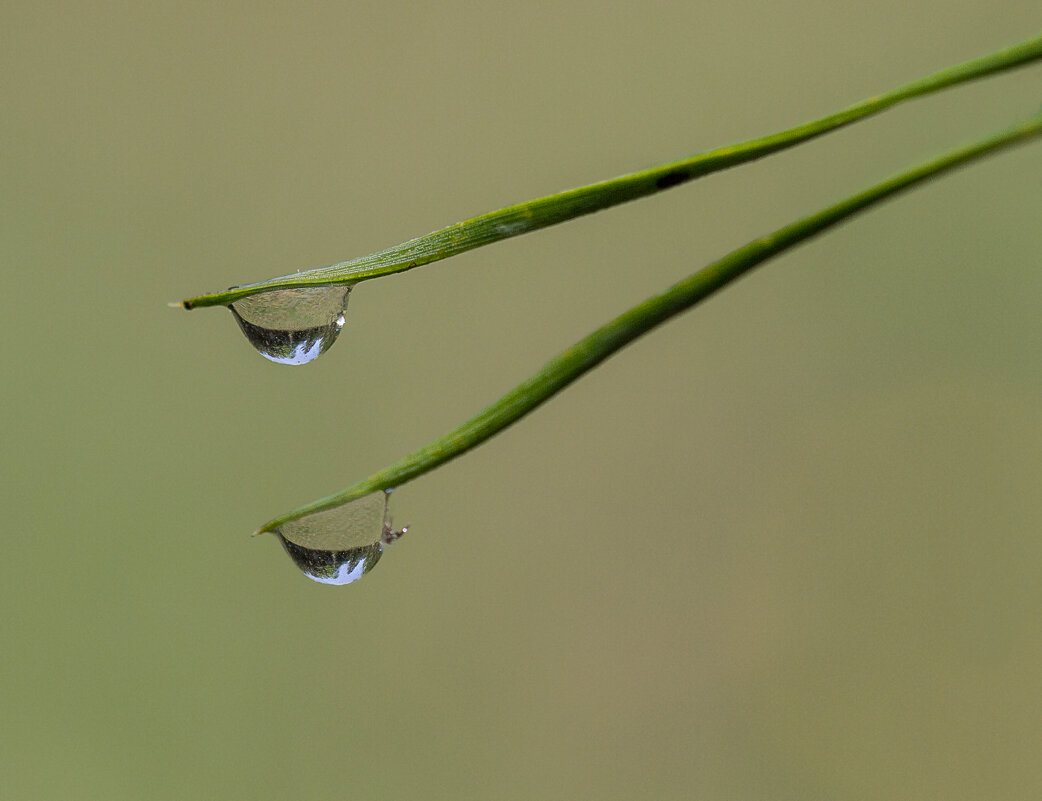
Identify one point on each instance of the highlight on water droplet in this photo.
(340, 545)
(293, 326)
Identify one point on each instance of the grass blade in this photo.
(590, 351)
(545, 211)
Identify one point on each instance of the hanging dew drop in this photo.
(293, 326)
(339, 546)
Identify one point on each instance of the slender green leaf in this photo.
(552, 209)
(590, 351)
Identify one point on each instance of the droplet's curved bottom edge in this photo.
(334, 568)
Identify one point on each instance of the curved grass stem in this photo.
(552, 209)
(590, 351)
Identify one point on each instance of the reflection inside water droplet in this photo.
(293, 326)
(340, 545)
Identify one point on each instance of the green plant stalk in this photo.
(590, 351)
(552, 209)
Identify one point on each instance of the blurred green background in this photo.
(786, 547)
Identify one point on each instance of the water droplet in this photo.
(293, 326)
(339, 545)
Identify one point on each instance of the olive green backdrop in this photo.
(786, 547)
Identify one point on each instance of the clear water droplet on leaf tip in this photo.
(293, 326)
(340, 545)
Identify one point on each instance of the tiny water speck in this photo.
(339, 546)
(293, 326)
